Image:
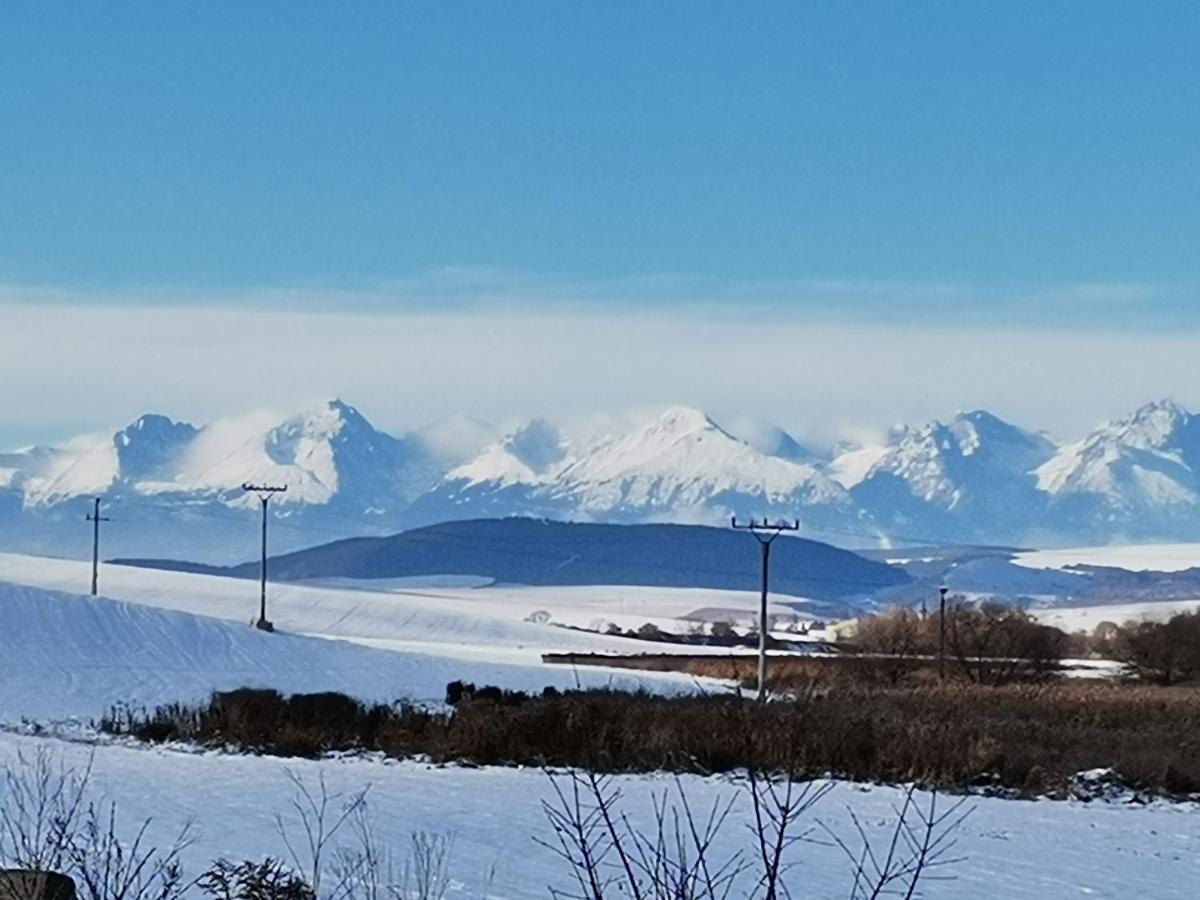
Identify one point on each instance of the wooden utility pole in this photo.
(95, 518)
(264, 492)
(942, 635)
(766, 533)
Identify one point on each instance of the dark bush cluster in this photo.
(460, 691)
(1027, 738)
(988, 644)
(1163, 652)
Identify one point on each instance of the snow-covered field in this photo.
(473, 624)
(1086, 618)
(1133, 557)
(1013, 850)
(64, 656)
(156, 637)
(159, 636)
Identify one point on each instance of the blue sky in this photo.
(944, 164)
(232, 144)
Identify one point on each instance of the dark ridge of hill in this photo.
(537, 552)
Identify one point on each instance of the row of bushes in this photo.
(993, 643)
(1027, 738)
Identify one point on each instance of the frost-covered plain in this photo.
(69, 657)
(1015, 850)
(1086, 618)
(479, 624)
(1133, 557)
(161, 636)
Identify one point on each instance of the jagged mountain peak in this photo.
(1151, 425)
(683, 420)
(149, 447)
(970, 477)
(1141, 465)
(526, 455)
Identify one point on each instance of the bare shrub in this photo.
(308, 834)
(921, 842)
(895, 640)
(48, 823)
(41, 808)
(108, 865)
(426, 873)
(676, 858)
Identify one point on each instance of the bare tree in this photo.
(1163, 652)
(48, 824)
(40, 810)
(110, 866)
(921, 841)
(318, 817)
(993, 643)
(676, 859)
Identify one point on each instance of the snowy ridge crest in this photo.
(971, 478)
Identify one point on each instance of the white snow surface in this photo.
(173, 636)
(486, 624)
(65, 657)
(1012, 850)
(1132, 557)
(1086, 618)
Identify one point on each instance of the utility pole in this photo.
(95, 518)
(942, 635)
(264, 492)
(766, 533)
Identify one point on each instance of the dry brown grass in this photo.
(1030, 738)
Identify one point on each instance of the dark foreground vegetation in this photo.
(1027, 738)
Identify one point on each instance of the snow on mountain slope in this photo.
(685, 459)
(974, 478)
(1138, 474)
(84, 466)
(329, 452)
(528, 456)
(681, 466)
(851, 466)
(1014, 849)
(769, 439)
(967, 479)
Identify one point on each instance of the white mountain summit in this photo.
(974, 478)
(1135, 477)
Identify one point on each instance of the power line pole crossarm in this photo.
(95, 518)
(265, 492)
(766, 533)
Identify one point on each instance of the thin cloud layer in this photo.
(75, 365)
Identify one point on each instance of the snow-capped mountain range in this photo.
(173, 488)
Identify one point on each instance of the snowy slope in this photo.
(966, 480)
(485, 625)
(1011, 850)
(680, 467)
(1136, 477)
(972, 479)
(68, 656)
(1133, 557)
